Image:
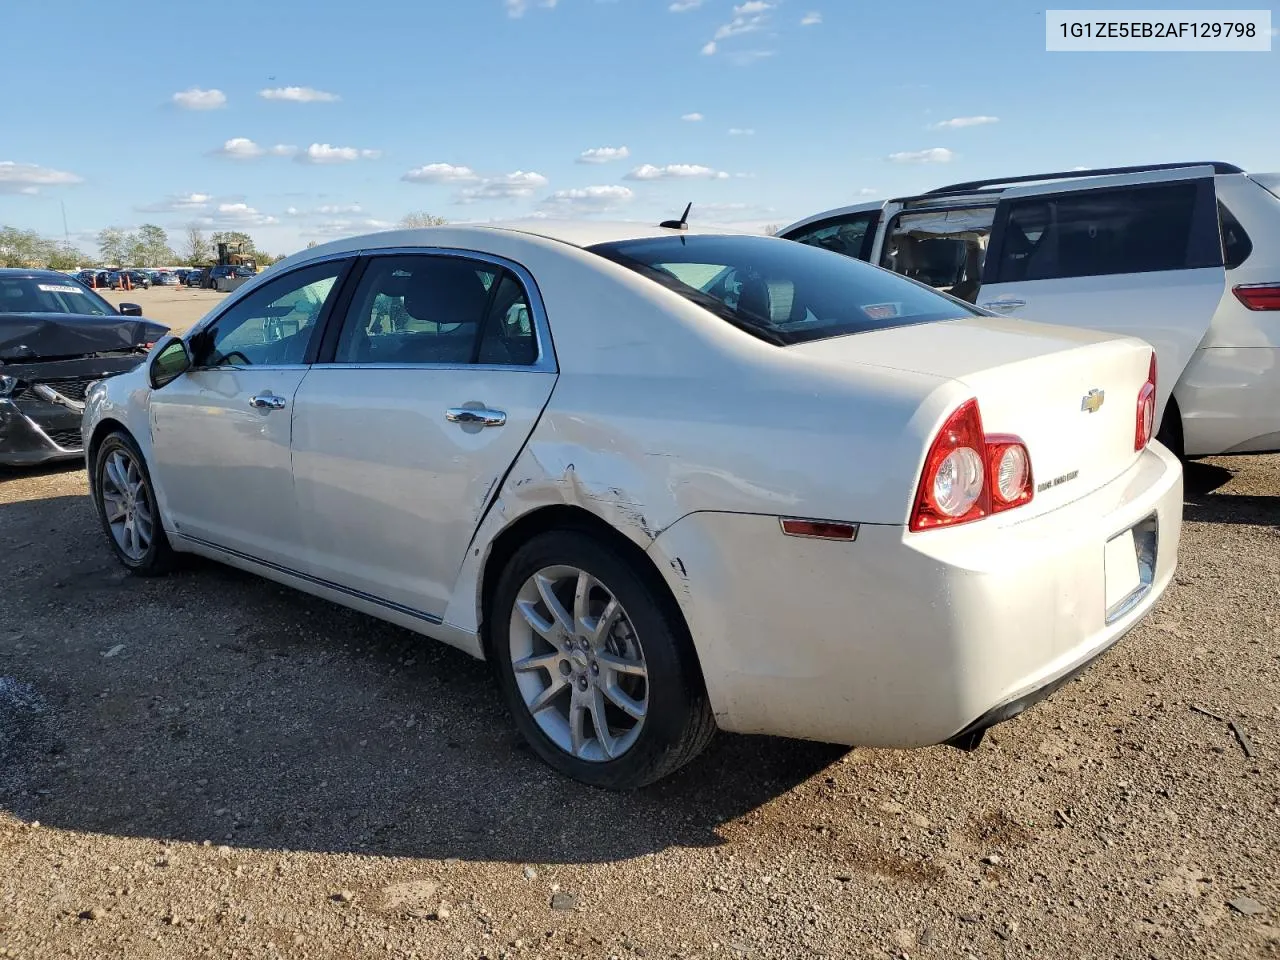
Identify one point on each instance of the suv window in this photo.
(783, 293)
(850, 235)
(1091, 233)
(1236, 245)
(432, 309)
(273, 325)
(942, 248)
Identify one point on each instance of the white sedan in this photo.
(666, 481)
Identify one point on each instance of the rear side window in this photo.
(783, 293)
(850, 235)
(1236, 245)
(1094, 233)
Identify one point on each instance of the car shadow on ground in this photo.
(1203, 503)
(213, 705)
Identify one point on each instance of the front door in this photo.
(1137, 254)
(440, 371)
(220, 433)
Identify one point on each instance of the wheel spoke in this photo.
(548, 696)
(544, 661)
(632, 708)
(581, 600)
(599, 628)
(632, 668)
(577, 723)
(115, 473)
(608, 746)
(553, 604)
(113, 506)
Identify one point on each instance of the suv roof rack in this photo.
(975, 185)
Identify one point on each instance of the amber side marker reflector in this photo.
(819, 529)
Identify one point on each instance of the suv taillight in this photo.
(1258, 296)
(968, 475)
(1146, 409)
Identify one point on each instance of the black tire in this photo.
(678, 724)
(158, 558)
(1170, 432)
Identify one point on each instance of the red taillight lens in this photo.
(968, 475)
(1146, 421)
(1259, 296)
(1009, 466)
(953, 487)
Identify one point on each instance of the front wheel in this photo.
(127, 507)
(597, 669)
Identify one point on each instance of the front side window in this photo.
(847, 235)
(435, 309)
(50, 295)
(781, 292)
(273, 325)
(1092, 233)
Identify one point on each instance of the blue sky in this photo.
(305, 119)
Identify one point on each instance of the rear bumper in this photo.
(901, 639)
(43, 433)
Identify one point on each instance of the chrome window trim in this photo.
(546, 359)
(252, 366)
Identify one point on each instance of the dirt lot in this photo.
(220, 766)
(179, 307)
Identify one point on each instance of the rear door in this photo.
(426, 393)
(1137, 254)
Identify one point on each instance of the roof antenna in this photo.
(682, 223)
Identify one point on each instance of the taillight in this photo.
(1258, 296)
(1009, 465)
(969, 475)
(1146, 416)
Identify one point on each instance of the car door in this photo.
(1138, 254)
(221, 432)
(851, 231)
(434, 381)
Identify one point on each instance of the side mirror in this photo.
(169, 360)
(130, 310)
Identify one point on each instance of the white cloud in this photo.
(239, 148)
(708, 48)
(741, 132)
(692, 118)
(747, 18)
(603, 154)
(327, 153)
(681, 6)
(283, 150)
(591, 199)
(342, 227)
(811, 19)
(331, 209)
(867, 192)
(932, 155)
(676, 171)
(508, 187)
(956, 123)
(197, 99)
(440, 173)
(517, 8)
(235, 215)
(298, 95)
(28, 178)
(176, 203)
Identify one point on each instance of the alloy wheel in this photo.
(127, 505)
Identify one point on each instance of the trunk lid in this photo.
(1070, 394)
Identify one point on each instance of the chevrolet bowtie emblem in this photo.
(1092, 401)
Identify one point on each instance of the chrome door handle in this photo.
(267, 401)
(485, 418)
(1002, 305)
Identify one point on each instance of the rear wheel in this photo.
(597, 669)
(127, 507)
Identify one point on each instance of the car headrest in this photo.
(446, 291)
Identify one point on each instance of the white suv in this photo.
(1184, 256)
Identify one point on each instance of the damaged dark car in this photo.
(56, 338)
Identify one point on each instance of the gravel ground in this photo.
(220, 766)
(179, 307)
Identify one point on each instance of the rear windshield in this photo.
(50, 295)
(781, 291)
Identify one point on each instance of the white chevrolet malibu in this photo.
(665, 481)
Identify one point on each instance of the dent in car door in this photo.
(1137, 254)
(221, 432)
(400, 442)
